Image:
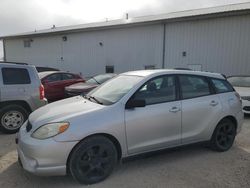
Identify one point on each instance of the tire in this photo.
(92, 160)
(12, 117)
(223, 136)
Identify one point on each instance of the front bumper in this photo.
(246, 106)
(42, 157)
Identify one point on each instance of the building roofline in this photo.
(202, 13)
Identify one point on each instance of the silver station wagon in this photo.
(133, 113)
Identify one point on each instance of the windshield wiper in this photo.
(95, 99)
(95, 80)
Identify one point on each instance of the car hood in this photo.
(62, 110)
(80, 86)
(243, 91)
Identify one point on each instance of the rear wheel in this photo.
(223, 136)
(92, 160)
(12, 117)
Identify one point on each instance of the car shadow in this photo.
(191, 166)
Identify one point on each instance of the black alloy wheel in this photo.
(224, 135)
(92, 160)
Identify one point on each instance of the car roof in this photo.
(20, 65)
(158, 72)
(46, 73)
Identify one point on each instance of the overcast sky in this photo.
(18, 16)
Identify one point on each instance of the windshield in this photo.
(239, 81)
(99, 79)
(112, 91)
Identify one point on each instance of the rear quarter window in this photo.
(12, 76)
(222, 86)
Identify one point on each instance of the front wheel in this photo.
(92, 160)
(223, 136)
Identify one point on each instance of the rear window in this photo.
(222, 86)
(13, 76)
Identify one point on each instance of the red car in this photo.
(54, 83)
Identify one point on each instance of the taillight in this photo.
(41, 92)
(238, 96)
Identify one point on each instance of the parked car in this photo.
(55, 82)
(21, 92)
(44, 69)
(84, 88)
(133, 113)
(242, 85)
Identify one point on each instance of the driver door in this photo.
(158, 124)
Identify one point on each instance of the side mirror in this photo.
(133, 103)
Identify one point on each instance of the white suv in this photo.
(21, 92)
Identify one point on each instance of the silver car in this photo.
(21, 92)
(133, 113)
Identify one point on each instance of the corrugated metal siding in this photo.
(126, 49)
(44, 51)
(219, 45)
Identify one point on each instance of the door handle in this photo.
(174, 109)
(213, 103)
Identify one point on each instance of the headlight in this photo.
(50, 130)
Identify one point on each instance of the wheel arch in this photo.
(231, 118)
(112, 138)
(21, 103)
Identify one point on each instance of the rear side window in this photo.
(13, 76)
(67, 76)
(222, 86)
(54, 78)
(193, 86)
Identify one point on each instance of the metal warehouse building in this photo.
(212, 39)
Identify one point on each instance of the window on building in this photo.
(13, 76)
(149, 67)
(110, 69)
(26, 43)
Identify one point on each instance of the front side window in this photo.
(193, 86)
(15, 76)
(158, 90)
(221, 86)
(113, 90)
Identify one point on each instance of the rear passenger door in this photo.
(201, 108)
(68, 79)
(52, 86)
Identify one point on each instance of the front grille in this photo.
(246, 108)
(28, 127)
